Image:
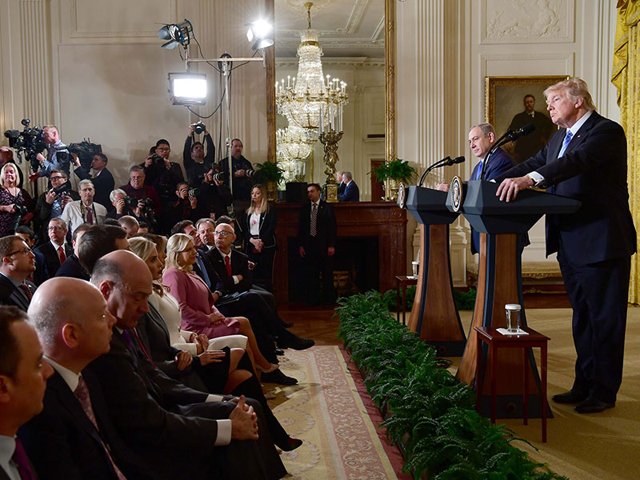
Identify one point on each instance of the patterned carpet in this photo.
(325, 410)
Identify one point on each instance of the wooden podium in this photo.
(434, 314)
(500, 282)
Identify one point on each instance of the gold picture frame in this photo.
(504, 98)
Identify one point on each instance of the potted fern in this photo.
(396, 171)
(270, 174)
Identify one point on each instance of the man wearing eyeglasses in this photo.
(165, 175)
(51, 204)
(84, 210)
(55, 251)
(18, 261)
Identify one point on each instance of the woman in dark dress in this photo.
(259, 230)
(10, 197)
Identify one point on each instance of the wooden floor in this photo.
(320, 324)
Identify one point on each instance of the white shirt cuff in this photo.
(224, 433)
(214, 398)
(536, 177)
(235, 280)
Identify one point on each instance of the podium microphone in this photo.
(445, 162)
(510, 136)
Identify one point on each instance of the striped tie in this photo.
(565, 144)
(314, 220)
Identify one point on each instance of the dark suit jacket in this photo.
(351, 193)
(268, 223)
(64, 444)
(239, 266)
(42, 272)
(11, 295)
(326, 226)
(499, 163)
(51, 256)
(103, 184)
(593, 170)
(151, 411)
(72, 268)
(154, 334)
(43, 215)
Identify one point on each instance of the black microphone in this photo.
(521, 132)
(445, 162)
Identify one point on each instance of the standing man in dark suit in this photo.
(481, 139)
(102, 180)
(528, 145)
(587, 160)
(75, 328)
(18, 262)
(317, 235)
(23, 379)
(56, 251)
(350, 192)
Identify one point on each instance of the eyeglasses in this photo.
(57, 227)
(222, 234)
(57, 178)
(25, 251)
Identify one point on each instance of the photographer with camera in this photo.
(147, 197)
(102, 180)
(242, 174)
(186, 207)
(84, 210)
(124, 206)
(58, 156)
(52, 203)
(162, 174)
(195, 162)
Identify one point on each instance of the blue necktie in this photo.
(565, 144)
(478, 171)
(205, 275)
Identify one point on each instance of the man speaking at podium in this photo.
(586, 160)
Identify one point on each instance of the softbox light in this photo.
(188, 88)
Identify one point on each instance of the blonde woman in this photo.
(10, 196)
(259, 231)
(196, 302)
(240, 380)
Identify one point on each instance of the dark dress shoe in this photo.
(279, 378)
(279, 352)
(297, 343)
(289, 444)
(287, 324)
(570, 397)
(592, 405)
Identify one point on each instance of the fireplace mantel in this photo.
(383, 220)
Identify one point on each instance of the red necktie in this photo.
(27, 291)
(89, 216)
(63, 257)
(82, 393)
(227, 263)
(21, 462)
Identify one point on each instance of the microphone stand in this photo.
(435, 165)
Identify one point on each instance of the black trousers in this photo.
(317, 262)
(599, 295)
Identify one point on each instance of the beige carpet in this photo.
(325, 410)
(604, 446)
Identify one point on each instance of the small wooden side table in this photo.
(402, 282)
(495, 340)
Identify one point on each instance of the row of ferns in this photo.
(430, 414)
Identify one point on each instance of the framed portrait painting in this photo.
(513, 102)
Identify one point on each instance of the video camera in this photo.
(29, 140)
(85, 151)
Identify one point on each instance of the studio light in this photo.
(260, 33)
(177, 34)
(188, 88)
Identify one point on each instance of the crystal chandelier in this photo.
(293, 146)
(308, 101)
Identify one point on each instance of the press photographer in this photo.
(195, 162)
(162, 174)
(58, 156)
(242, 174)
(13, 208)
(186, 207)
(51, 203)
